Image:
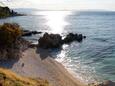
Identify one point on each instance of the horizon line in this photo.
(65, 9)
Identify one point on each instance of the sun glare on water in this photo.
(56, 20)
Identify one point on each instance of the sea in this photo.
(91, 60)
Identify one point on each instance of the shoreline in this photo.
(40, 64)
(44, 66)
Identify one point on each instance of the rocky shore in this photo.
(16, 55)
(28, 60)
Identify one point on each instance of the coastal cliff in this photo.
(7, 12)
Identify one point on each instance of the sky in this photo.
(62, 4)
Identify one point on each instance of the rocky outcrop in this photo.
(50, 41)
(106, 83)
(7, 12)
(56, 41)
(30, 33)
(14, 51)
(11, 43)
(73, 37)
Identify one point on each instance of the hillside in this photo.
(8, 78)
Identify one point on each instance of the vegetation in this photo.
(7, 12)
(4, 12)
(9, 33)
(8, 78)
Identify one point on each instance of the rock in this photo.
(15, 51)
(50, 41)
(73, 37)
(33, 45)
(35, 32)
(1, 84)
(55, 40)
(79, 38)
(26, 31)
(27, 34)
(11, 43)
(69, 38)
(106, 83)
(22, 64)
(84, 37)
(30, 33)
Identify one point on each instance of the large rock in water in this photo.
(50, 41)
(55, 40)
(73, 37)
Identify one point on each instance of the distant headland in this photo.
(7, 12)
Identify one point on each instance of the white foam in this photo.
(80, 71)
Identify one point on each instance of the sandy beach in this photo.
(39, 63)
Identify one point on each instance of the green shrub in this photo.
(9, 33)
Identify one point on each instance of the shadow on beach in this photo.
(8, 63)
(44, 53)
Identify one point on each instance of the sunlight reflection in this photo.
(56, 20)
(62, 55)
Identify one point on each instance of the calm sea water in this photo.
(91, 60)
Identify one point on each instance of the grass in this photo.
(8, 78)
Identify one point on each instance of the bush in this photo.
(9, 33)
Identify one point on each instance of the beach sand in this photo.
(39, 63)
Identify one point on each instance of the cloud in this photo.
(62, 4)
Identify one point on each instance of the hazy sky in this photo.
(62, 4)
